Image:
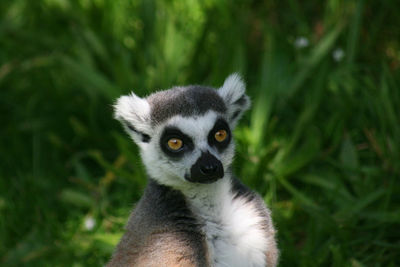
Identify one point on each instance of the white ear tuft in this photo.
(233, 88)
(233, 94)
(134, 113)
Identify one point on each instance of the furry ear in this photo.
(134, 114)
(233, 94)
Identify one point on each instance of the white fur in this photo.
(233, 88)
(232, 227)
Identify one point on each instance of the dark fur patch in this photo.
(234, 116)
(220, 124)
(172, 132)
(185, 101)
(145, 137)
(240, 190)
(241, 101)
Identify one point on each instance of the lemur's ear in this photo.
(134, 114)
(235, 98)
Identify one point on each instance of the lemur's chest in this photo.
(233, 231)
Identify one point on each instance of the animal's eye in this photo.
(221, 135)
(175, 144)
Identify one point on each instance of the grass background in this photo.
(321, 143)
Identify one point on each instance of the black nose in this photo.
(207, 169)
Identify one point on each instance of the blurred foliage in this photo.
(321, 143)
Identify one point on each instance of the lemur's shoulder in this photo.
(242, 191)
(161, 231)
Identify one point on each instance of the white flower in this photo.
(301, 42)
(338, 54)
(90, 222)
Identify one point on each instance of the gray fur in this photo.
(185, 101)
(162, 231)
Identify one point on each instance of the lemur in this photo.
(194, 212)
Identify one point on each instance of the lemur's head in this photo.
(185, 133)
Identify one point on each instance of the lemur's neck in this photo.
(209, 199)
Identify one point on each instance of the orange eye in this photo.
(220, 135)
(175, 143)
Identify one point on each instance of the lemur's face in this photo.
(185, 133)
(196, 149)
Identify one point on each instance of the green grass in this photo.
(321, 143)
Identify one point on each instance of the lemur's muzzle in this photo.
(206, 170)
